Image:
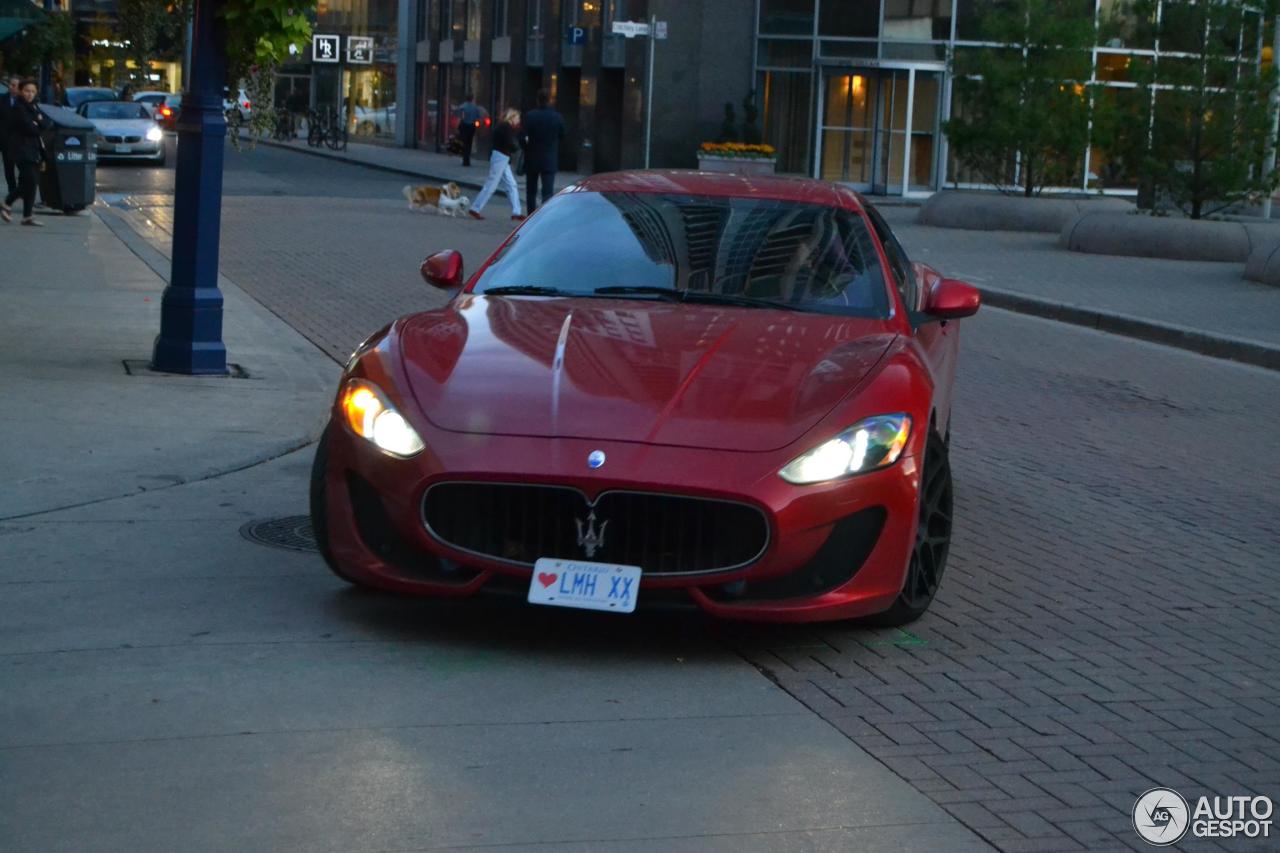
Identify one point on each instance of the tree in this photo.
(1024, 106)
(148, 26)
(50, 39)
(1202, 121)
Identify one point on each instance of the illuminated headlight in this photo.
(370, 416)
(155, 134)
(867, 445)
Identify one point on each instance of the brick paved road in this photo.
(1108, 622)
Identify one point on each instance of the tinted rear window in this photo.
(812, 257)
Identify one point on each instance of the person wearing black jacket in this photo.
(541, 132)
(26, 148)
(8, 100)
(506, 142)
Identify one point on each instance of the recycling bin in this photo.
(70, 173)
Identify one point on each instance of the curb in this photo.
(377, 167)
(1242, 350)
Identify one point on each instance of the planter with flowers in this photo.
(740, 157)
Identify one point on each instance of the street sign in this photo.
(630, 29)
(660, 29)
(577, 35)
(360, 50)
(325, 48)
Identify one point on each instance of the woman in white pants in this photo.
(506, 142)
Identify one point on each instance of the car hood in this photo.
(633, 370)
(132, 126)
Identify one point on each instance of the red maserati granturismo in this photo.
(664, 387)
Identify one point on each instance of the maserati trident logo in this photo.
(589, 538)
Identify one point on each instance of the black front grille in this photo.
(116, 140)
(662, 534)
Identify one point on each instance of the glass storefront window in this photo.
(855, 18)
(785, 98)
(501, 26)
(785, 53)
(917, 20)
(786, 17)
(848, 49)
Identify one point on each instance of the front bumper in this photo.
(834, 552)
(145, 150)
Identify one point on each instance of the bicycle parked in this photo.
(326, 128)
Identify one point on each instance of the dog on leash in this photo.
(447, 199)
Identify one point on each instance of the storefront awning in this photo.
(16, 16)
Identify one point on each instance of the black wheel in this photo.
(933, 539)
(336, 140)
(319, 526)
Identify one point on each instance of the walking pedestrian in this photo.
(541, 132)
(469, 116)
(506, 142)
(27, 150)
(8, 100)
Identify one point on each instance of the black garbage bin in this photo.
(69, 176)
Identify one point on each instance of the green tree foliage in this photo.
(151, 29)
(1201, 124)
(50, 39)
(259, 35)
(1026, 102)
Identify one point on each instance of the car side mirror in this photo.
(950, 299)
(443, 270)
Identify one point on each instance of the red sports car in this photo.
(663, 387)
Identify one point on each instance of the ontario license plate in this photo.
(590, 586)
(124, 149)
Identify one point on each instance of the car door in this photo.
(938, 341)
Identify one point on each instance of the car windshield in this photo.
(76, 97)
(116, 110)
(735, 251)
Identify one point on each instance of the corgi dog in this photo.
(447, 199)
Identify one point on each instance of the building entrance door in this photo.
(878, 129)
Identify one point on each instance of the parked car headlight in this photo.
(867, 445)
(371, 417)
(155, 134)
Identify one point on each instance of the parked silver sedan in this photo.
(126, 130)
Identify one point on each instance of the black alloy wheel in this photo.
(932, 542)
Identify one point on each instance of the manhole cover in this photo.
(292, 532)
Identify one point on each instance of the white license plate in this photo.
(591, 586)
(124, 149)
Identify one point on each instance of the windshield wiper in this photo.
(527, 290)
(640, 290)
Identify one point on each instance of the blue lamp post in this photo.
(190, 339)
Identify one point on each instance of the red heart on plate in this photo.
(546, 578)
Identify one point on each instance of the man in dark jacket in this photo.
(8, 100)
(543, 129)
(25, 147)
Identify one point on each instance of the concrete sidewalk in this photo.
(85, 420)
(426, 165)
(1199, 306)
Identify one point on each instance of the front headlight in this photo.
(155, 134)
(873, 443)
(370, 416)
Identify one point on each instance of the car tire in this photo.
(319, 522)
(932, 540)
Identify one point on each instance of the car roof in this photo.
(690, 182)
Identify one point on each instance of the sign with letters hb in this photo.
(360, 50)
(325, 48)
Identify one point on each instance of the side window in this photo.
(903, 275)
